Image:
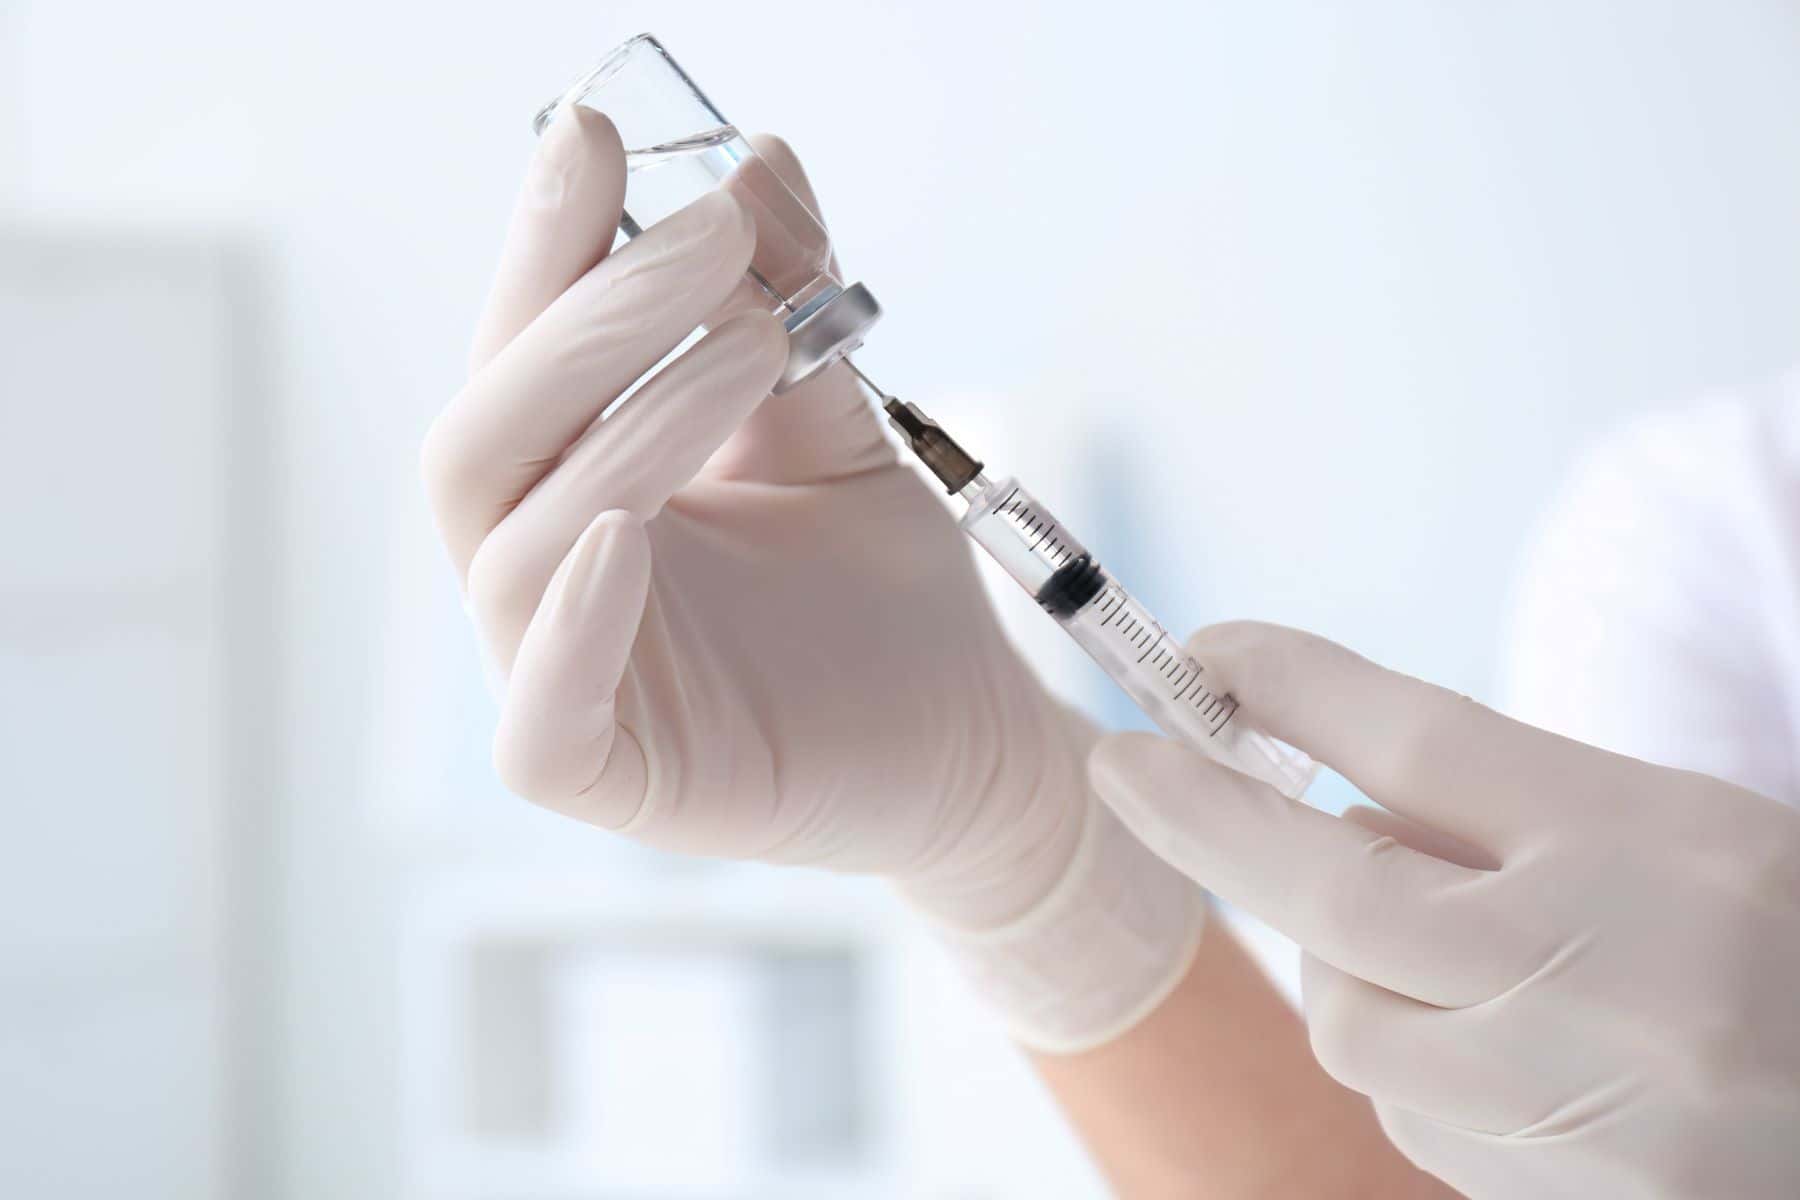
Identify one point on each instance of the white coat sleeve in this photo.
(1651, 616)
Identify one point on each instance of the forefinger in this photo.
(515, 419)
(1418, 749)
(1353, 896)
(563, 222)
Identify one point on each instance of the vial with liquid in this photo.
(678, 147)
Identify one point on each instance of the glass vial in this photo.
(678, 147)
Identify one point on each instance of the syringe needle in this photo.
(868, 383)
(954, 467)
(762, 281)
(1051, 565)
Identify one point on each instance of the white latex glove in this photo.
(1557, 972)
(735, 625)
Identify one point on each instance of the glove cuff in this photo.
(1099, 953)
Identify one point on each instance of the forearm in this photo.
(1216, 1093)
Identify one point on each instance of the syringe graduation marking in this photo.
(1077, 595)
(1138, 639)
(1182, 672)
(1037, 528)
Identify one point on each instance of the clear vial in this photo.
(678, 147)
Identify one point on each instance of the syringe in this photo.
(680, 146)
(1045, 559)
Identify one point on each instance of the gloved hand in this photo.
(1557, 972)
(733, 624)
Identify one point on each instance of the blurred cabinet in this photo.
(116, 382)
(707, 1035)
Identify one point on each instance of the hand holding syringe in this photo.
(679, 608)
(679, 586)
(1045, 559)
(684, 148)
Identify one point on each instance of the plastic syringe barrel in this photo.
(1131, 646)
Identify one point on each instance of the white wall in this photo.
(1379, 270)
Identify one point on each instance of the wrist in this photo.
(1007, 848)
(1097, 954)
(1069, 928)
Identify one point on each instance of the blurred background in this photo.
(1299, 310)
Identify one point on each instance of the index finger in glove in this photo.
(1355, 897)
(1418, 749)
(563, 222)
(515, 419)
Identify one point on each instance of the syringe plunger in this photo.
(1131, 646)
